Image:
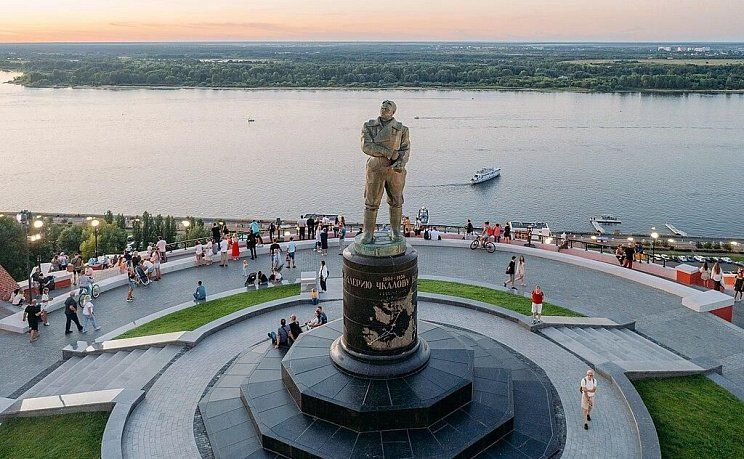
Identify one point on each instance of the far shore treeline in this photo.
(579, 67)
(115, 232)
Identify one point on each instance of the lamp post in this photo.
(94, 223)
(654, 237)
(185, 224)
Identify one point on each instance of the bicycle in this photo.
(95, 292)
(483, 243)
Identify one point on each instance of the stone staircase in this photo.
(126, 369)
(635, 354)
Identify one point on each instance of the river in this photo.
(648, 159)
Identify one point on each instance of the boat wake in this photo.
(439, 185)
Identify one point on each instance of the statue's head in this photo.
(387, 110)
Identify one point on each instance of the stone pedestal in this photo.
(380, 337)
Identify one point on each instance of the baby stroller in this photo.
(142, 278)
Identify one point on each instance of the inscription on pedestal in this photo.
(380, 303)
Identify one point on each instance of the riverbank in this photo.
(383, 88)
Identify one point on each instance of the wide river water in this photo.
(648, 159)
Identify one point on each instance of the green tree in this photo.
(170, 230)
(120, 221)
(70, 238)
(109, 217)
(148, 229)
(111, 240)
(158, 224)
(13, 248)
(137, 232)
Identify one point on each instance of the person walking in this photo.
(739, 285)
(291, 250)
(520, 271)
(215, 233)
(77, 268)
(71, 314)
(45, 299)
(162, 247)
(716, 275)
(497, 233)
(323, 275)
(199, 253)
(235, 247)
(310, 228)
(32, 314)
(201, 292)
(629, 255)
(469, 230)
(223, 251)
(208, 252)
(155, 259)
(588, 389)
(89, 316)
(272, 230)
(507, 233)
(324, 241)
(705, 274)
(511, 271)
(301, 227)
(131, 283)
(620, 255)
(537, 303)
(341, 236)
(256, 230)
(251, 244)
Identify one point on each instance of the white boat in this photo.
(485, 174)
(423, 216)
(674, 230)
(597, 226)
(607, 219)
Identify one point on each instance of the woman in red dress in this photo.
(235, 247)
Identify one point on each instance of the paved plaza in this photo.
(163, 424)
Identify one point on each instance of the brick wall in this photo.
(7, 285)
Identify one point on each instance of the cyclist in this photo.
(487, 233)
(85, 284)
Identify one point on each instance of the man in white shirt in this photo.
(435, 234)
(291, 249)
(161, 244)
(199, 251)
(88, 316)
(223, 251)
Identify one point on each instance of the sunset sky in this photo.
(445, 20)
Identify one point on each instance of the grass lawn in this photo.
(75, 435)
(517, 303)
(694, 417)
(203, 313)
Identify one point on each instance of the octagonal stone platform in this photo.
(321, 389)
(503, 419)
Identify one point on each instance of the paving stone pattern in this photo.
(161, 426)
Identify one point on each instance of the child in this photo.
(45, 307)
(245, 268)
(314, 296)
(537, 301)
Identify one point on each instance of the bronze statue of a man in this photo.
(386, 142)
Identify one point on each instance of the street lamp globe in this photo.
(655, 235)
(38, 223)
(94, 223)
(186, 223)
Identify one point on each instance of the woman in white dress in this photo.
(520, 271)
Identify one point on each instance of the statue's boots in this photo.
(370, 220)
(396, 215)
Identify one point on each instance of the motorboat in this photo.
(607, 220)
(485, 174)
(674, 230)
